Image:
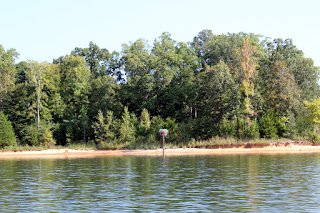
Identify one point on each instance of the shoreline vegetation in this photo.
(72, 153)
(199, 148)
(234, 89)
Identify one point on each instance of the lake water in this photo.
(221, 183)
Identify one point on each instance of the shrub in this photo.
(227, 128)
(128, 127)
(104, 129)
(34, 140)
(156, 124)
(313, 137)
(174, 131)
(145, 123)
(253, 130)
(7, 136)
(267, 125)
(46, 137)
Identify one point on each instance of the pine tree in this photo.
(145, 122)
(7, 136)
(128, 129)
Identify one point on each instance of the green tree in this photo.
(201, 44)
(145, 123)
(34, 137)
(211, 49)
(313, 109)
(74, 89)
(128, 127)
(35, 97)
(103, 95)
(303, 70)
(138, 92)
(181, 94)
(165, 55)
(7, 73)
(104, 129)
(220, 96)
(99, 60)
(282, 93)
(45, 79)
(19, 106)
(7, 136)
(36, 77)
(267, 125)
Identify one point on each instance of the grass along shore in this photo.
(213, 143)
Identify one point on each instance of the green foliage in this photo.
(7, 73)
(313, 137)
(145, 123)
(104, 129)
(268, 128)
(247, 129)
(305, 73)
(7, 136)
(46, 137)
(217, 85)
(228, 128)
(313, 109)
(253, 130)
(100, 60)
(102, 96)
(156, 123)
(220, 93)
(281, 124)
(74, 87)
(283, 96)
(128, 128)
(174, 135)
(34, 139)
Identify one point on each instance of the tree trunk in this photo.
(38, 110)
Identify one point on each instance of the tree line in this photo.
(231, 85)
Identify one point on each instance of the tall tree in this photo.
(248, 73)
(181, 93)
(165, 59)
(303, 70)
(7, 72)
(137, 93)
(201, 44)
(220, 95)
(313, 109)
(104, 128)
(19, 105)
(99, 60)
(74, 88)
(128, 128)
(282, 94)
(165, 55)
(7, 136)
(35, 75)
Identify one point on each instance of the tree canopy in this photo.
(231, 85)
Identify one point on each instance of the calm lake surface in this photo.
(218, 183)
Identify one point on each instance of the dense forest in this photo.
(231, 85)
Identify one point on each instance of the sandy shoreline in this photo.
(69, 153)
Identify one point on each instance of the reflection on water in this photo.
(237, 183)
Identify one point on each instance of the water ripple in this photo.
(231, 183)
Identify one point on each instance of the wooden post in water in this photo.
(163, 132)
(163, 142)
